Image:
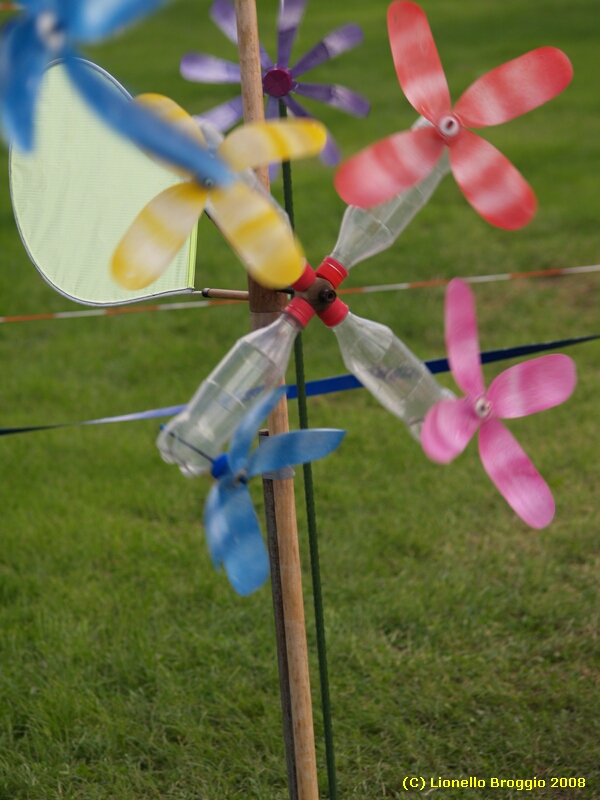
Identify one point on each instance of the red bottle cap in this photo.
(336, 312)
(305, 280)
(302, 311)
(333, 271)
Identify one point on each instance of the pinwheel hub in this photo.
(449, 126)
(51, 31)
(277, 82)
(483, 407)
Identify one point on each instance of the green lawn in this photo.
(461, 643)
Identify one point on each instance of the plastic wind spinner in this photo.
(519, 391)
(232, 530)
(248, 218)
(46, 32)
(279, 79)
(490, 183)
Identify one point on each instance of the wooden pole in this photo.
(265, 306)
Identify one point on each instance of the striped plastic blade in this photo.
(335, 96)
(261, 143)
(462, 340)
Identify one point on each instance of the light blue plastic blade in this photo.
(234, 537)
(146, 129)
(22, 62)
(91, 20)
(243, 437)
(295, 447)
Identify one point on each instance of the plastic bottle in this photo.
(385, 366)
(254, 366)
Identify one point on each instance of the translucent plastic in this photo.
(254, 366)
(387, 368)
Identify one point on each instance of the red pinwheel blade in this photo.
(492, 185)
(417, 62)
(514, 475)
(447, 430)
(514, 88)
(462, 341)
(532, 386)
(389, 167)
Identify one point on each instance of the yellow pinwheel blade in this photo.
(266, 142)
(259, 233)
(171, 112)
(157, 234)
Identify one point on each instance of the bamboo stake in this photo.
(265, 306)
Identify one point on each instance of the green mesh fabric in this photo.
(77, 193)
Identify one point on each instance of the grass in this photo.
(461, 643)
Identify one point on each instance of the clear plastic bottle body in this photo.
(253, 367)
(389, 370)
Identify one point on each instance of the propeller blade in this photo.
(336, 97)
(223, 116)
(145, 128)
(532, 386)
(244, 434)
(294, 447)
(331, 46)
(389, 167)
(514, 475)
(21, 67)
(447, 429)
(259, 233)
(462, 341)
(261, 143)
(157, 234)
(514, 88)
(222, 13)
(92, 20)
(416, 60)
(234, 538)
(203, 68)
(288, 22)
(330, 155)
(492, 185)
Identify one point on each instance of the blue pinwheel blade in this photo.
(295, 447)
(243, 437)
(92, 20)
(234, 538)
(222, 13)
(144, 128)
(288, 21)
(22, 62)
(334, 44)
(335, 96)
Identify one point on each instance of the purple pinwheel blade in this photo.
(334, 44)
(330, 155)
(233, 537)
(462, 340)
(146, 129)
(532, 386)
(203, 68)
(335, 96)
(224, 116)
(513, 474)
(222, 13)
(295, 447)
(22, 62)
(243, 437)
(447, 429)
(288, 21)
(92, 20)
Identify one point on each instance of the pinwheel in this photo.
(232, 529)
(520, 390)
(46, 32)
(490, 183)
(279, 80)
(248, 218)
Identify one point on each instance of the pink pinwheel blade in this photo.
(532, 386)
(492, 185)
(416, 60)
(462, 341)
(334, 44)
(514, 88)
(389, 167)
(514, 475)
(447, 430)
(335, 96)
(208, 69)
(290, 17)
